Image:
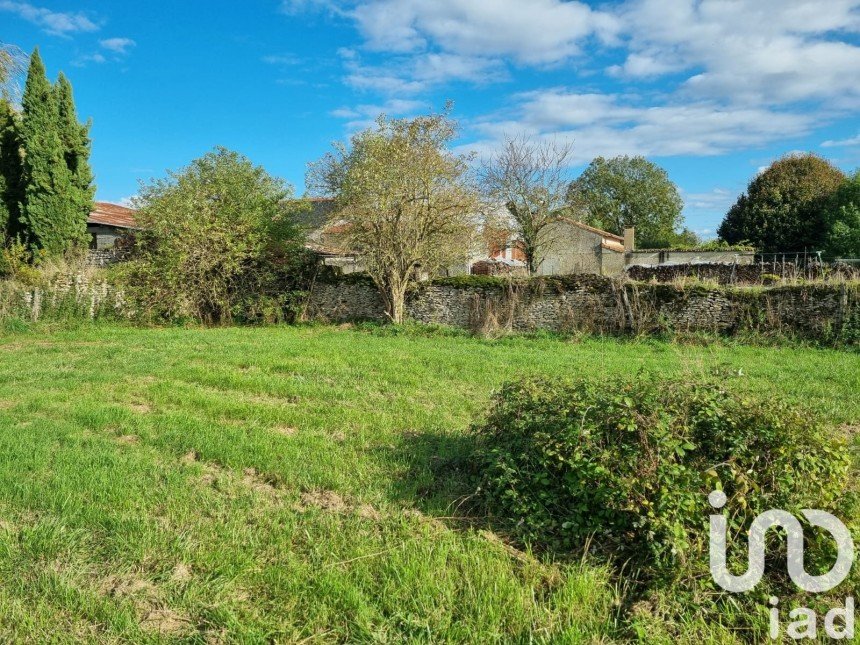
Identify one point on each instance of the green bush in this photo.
(631, 462)
(218, 243)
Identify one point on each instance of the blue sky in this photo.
(712, 90)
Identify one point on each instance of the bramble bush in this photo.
(631, 462)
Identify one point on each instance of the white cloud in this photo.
(716, 199)
(282, 59)
(363, 116)
(535, 32)
(610, 125)
(118, 45)
(842, 143)
(736, 74)
(82, 61)
(415, 74)
(751, 51)
(53, 22)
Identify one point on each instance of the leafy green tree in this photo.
(50, 217)
(406, 202)
(843, 220)
(76, 148)
(614, 194)
(784, 207)
(11, 180)
(215, 238)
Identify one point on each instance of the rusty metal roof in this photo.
(108, 214)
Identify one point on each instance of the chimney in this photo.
(629, 238)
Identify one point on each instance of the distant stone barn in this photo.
(108, 224)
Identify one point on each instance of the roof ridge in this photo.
(593, 229)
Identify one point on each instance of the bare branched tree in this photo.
(530, 178)
(13, 63)
(404, 201)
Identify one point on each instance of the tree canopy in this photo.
(783, 208)
(842, 217)
(621, 192)
(212, 241)
(57, 192)
(405, 202)
(11, 180)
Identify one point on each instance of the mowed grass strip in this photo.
(294, 483)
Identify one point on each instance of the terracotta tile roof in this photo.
(108, 214)
(612, 245)
(327, 250)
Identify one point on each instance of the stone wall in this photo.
(63, 296)
(651, 257)
(604, 305)
(741, 273)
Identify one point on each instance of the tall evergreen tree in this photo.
(50, 217)
(11, 181)
(76, 148)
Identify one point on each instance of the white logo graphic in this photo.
(757, 532)
(805, 624)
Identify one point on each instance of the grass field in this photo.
(287, 484)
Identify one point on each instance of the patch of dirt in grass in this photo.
(266, 399)
(181, 573)
(128, 439)
(147, 601)
(255, 481)
(129, 586)
(851, 431)
(367, 512)
(165, 622)
(338, 436)
(5, 405)
(328, 500)
(287, 431)
(140, 408)
(250, 479)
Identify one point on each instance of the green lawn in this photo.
(281, 484)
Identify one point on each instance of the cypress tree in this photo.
(11, 181)
(50, 218)
(75, 138)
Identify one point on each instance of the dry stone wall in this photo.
(605, 305)
(740, 273)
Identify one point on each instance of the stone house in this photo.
(574, 247)
(571, 247)
(108, 224)
(325, 237)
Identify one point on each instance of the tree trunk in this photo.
(397, 308)
(395, 298)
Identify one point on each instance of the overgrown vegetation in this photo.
(217, 243)
(631, 462)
